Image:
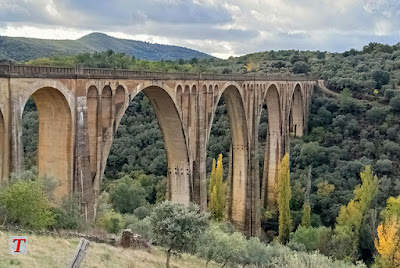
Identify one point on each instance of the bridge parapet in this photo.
(24, 70)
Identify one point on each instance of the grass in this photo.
(50, 251)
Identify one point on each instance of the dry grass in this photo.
(50, 251)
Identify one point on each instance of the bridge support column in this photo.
(200, 156)
(254, 217)
(5, 129)
(17, 148)
(83, 184)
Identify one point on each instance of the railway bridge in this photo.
(80, 109)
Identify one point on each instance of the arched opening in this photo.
(106, 110)
(230, 139)
(272, 150)
(119, 100)
(157, 145)
(92, 114)
(186, 105)
(54, 137)
(296, 116)
(179, 96)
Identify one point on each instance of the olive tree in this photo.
(177, 227)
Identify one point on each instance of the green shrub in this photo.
(310, 237)
(223, 248)
(142, 212)
(26, 204)
(395, 102)
(126, 195)
(141, 227)
(111, 221)
(67, 215)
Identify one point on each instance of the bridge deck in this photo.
(28, 71)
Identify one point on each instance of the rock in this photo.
(131, 240)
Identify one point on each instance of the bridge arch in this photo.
(166, 110)
(272, 154)
(296, 115)
(239, 146)
(55, 142)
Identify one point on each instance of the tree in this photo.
(217, 195)
(312, 238)
(395, 102)
(392, 208)
(347, 230)
(127, 194)
(283, 199)
(388, 243)
(222, 247)
(111, 221)
(256, 253)
(300, 67)
(346, 99)
(177, 227)
(26, 203)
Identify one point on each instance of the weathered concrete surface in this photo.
(80, 114)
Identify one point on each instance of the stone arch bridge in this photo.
(80, 109)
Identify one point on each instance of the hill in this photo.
(24, 49)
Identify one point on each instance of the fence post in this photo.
(79, 254)
(11, 66)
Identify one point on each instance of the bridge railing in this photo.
(31, 69)
(23, 70)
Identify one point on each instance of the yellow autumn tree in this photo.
(388, 242)
(347, 230)
(251, 66)
(283, 199)
(217, 194)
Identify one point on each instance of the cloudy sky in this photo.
(218, 27)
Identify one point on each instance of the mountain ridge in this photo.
(24, 49)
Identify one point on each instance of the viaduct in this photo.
(80, 109)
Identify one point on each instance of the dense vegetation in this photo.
(331, 205)
(23, 49)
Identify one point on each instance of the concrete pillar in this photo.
(83, 178)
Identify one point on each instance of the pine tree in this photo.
(217, 196)
(283, 196)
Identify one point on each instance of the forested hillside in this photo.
(23, 49)
(344, 135)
